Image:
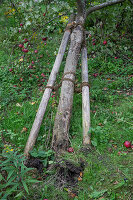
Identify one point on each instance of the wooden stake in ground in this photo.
(85, 99)
(42, 107)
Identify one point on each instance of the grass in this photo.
(108, 167)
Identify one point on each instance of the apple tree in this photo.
(60, 139)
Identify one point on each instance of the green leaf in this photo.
(28, 23)
(20, 194)
(119, 185)
(9, 191)
(8, 168)
(25, 187)
(33, 181)
(11, 180)
(97, 194)
(1, 177)
(10, 174)
(94, 142)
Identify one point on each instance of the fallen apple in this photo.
(20, 45)
(127, 144)
(104, 42)
(36, 51)
(42, 74)
(30, 67)
(70, 150)
(21, 24)
(25, 50)
(25, 40)
(21, 79)
(44, 38)
(43, 80)
(95, 74)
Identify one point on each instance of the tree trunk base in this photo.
(68, 173)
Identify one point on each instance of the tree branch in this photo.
(103, 5)
(131, 1)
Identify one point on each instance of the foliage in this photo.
(14, 174)
(46, 156)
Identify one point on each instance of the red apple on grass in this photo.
(70, 150)
(25, 40)
(21, 79)
(95, 74)
(127, 144)
(25, 50)
(36, 51)
(44, 38)
(104, 42)
(30, 67)
(42, 74)
(20, 45)
(43, 80)
(21, 24)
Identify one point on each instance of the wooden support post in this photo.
(42, 107)
(85, 99)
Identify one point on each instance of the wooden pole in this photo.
(42, 107)
(85, 99)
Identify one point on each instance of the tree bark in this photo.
(42, 107)
(60, 140)
(85, 99)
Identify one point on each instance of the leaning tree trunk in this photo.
(60, 140)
